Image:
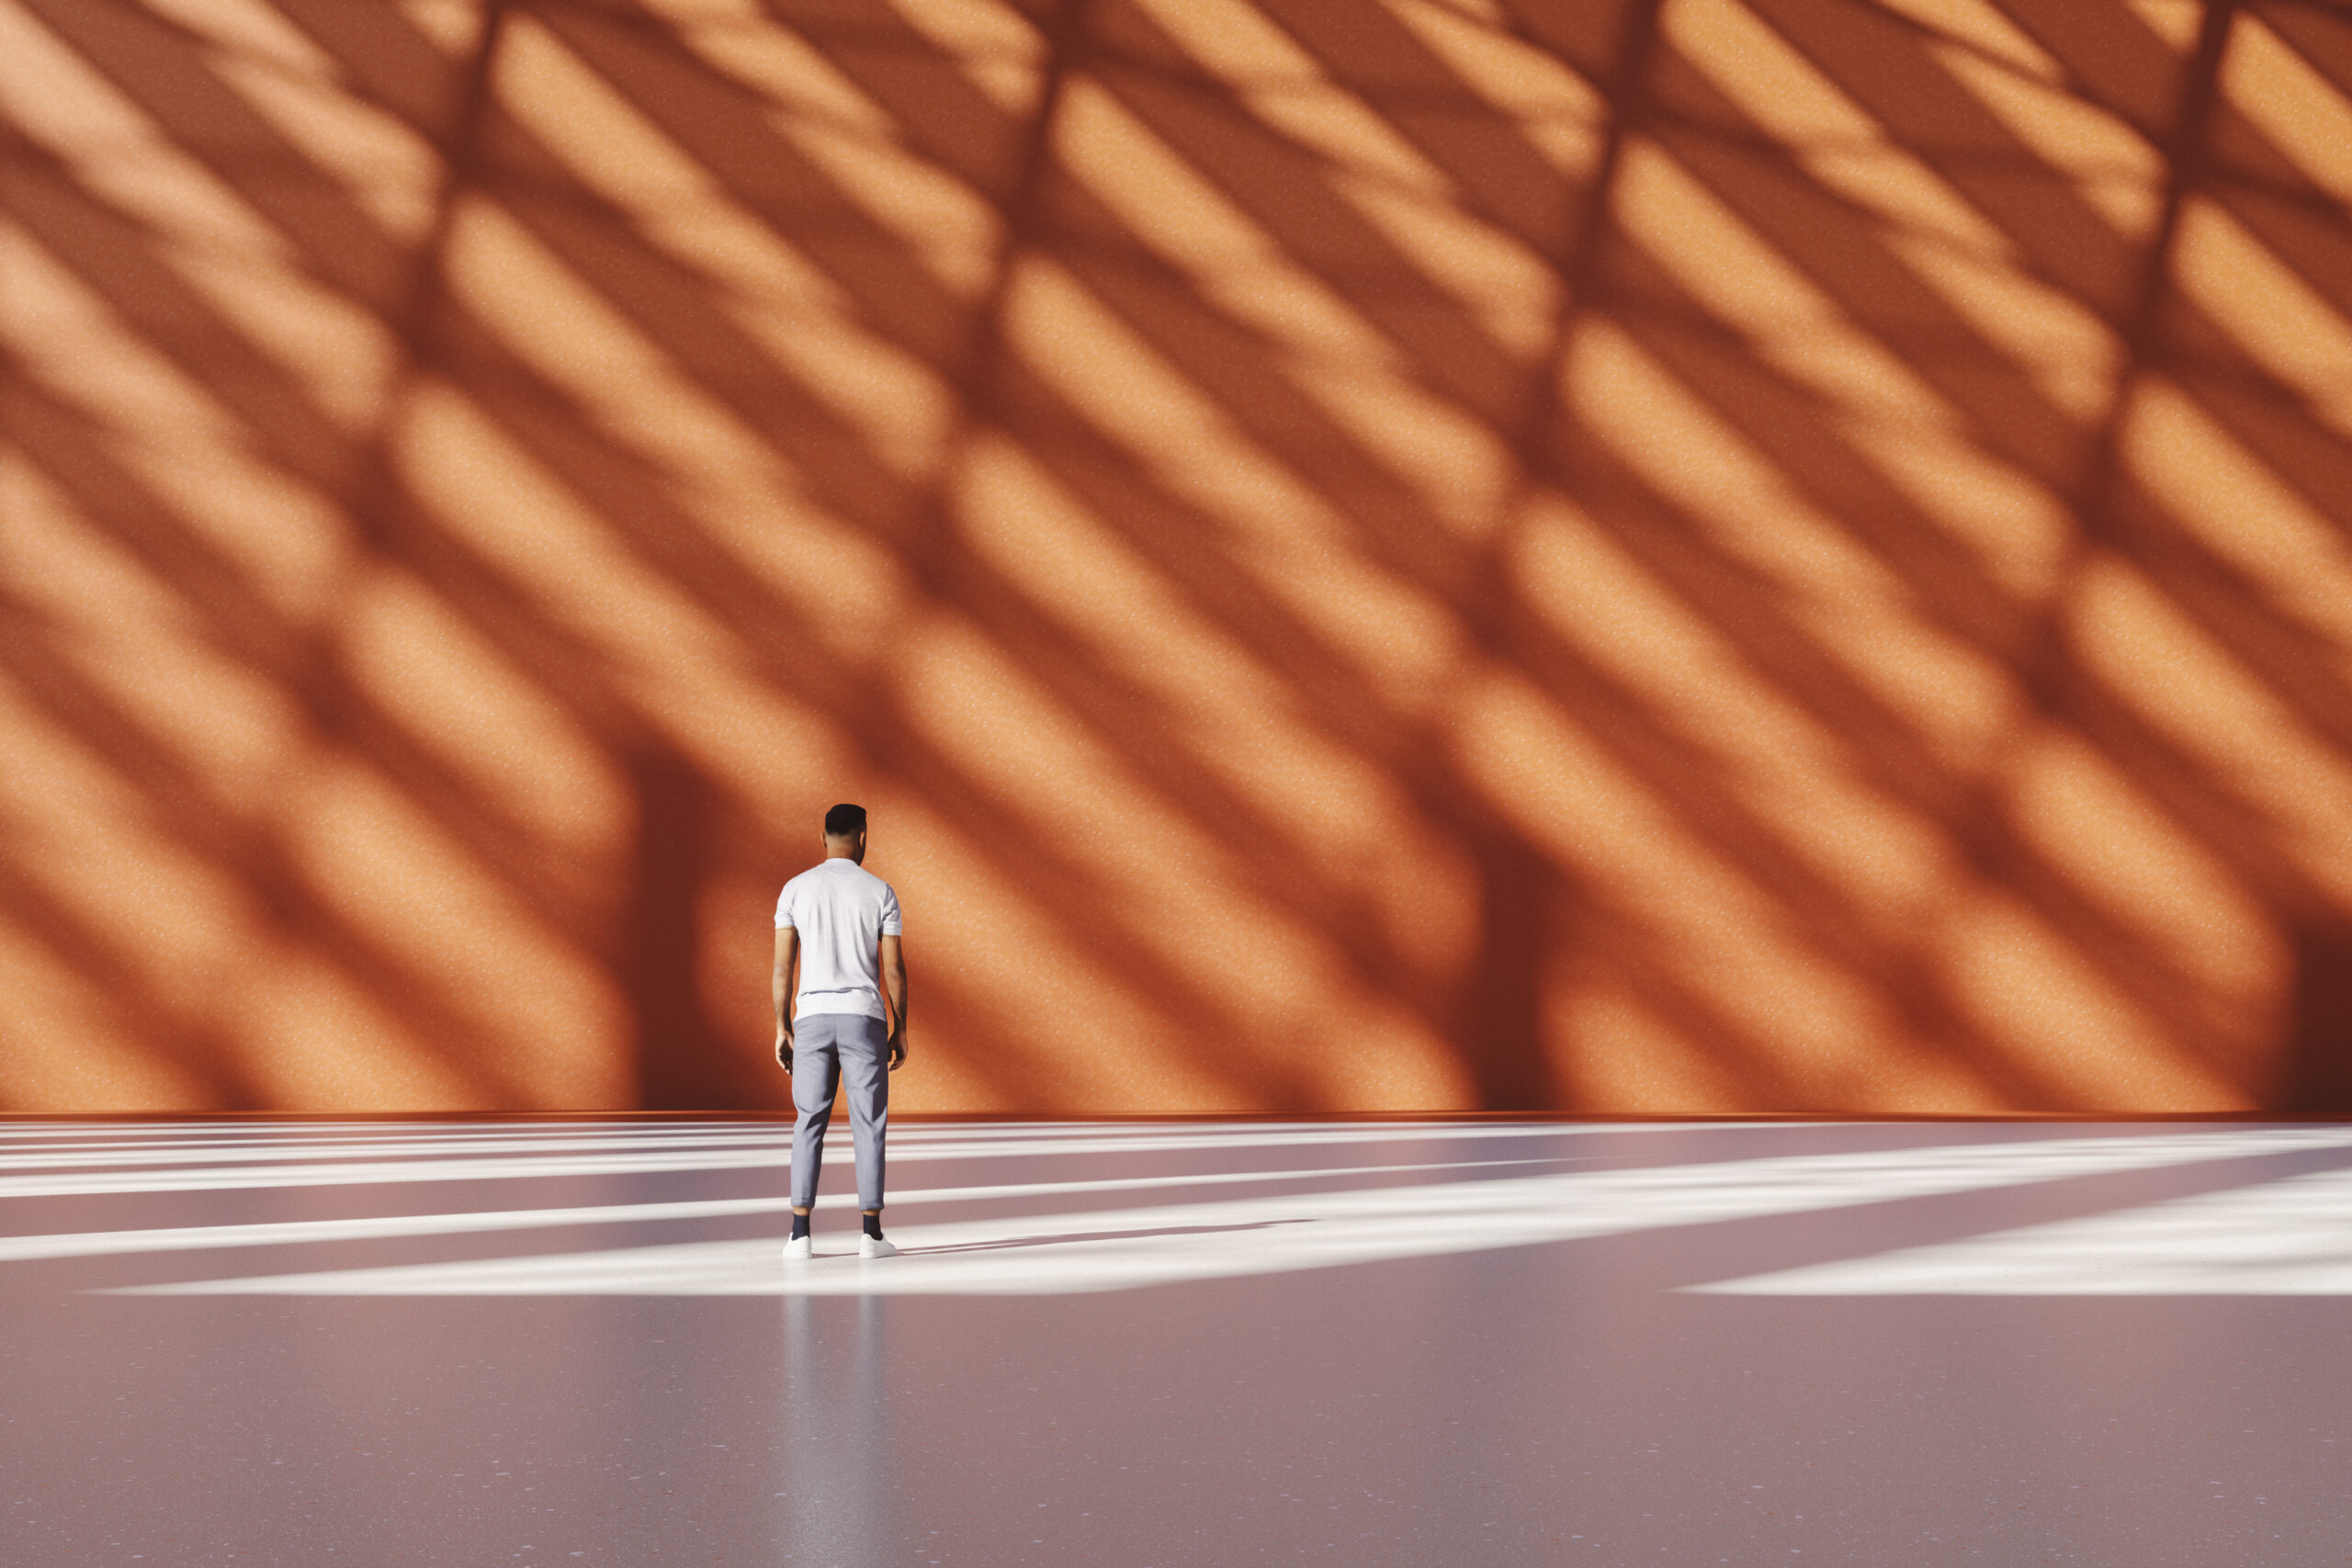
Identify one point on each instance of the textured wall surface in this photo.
(1364, 554)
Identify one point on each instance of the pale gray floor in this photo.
(1362, 1344)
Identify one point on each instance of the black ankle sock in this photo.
(873, 1226)
(799, 1226)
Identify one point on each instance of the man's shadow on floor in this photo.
(1092, 1235)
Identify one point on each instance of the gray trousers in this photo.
(826, 1048)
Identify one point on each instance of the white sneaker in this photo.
(875, 1246)
(799, 1247)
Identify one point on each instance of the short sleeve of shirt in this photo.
(784, 908)
(889, 911)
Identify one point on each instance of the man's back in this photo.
(842, 912)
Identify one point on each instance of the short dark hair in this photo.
(844, 820)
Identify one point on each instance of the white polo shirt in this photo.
(842, 911)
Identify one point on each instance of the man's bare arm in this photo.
(787, 958)
(894, 984)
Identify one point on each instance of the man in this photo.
(838, 923)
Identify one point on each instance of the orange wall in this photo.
(1364, 554)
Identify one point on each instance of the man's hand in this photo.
(893, 953)
(788, 960)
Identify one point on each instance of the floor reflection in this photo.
(837, 1469)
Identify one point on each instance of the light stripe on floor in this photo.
(1084, 1250)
